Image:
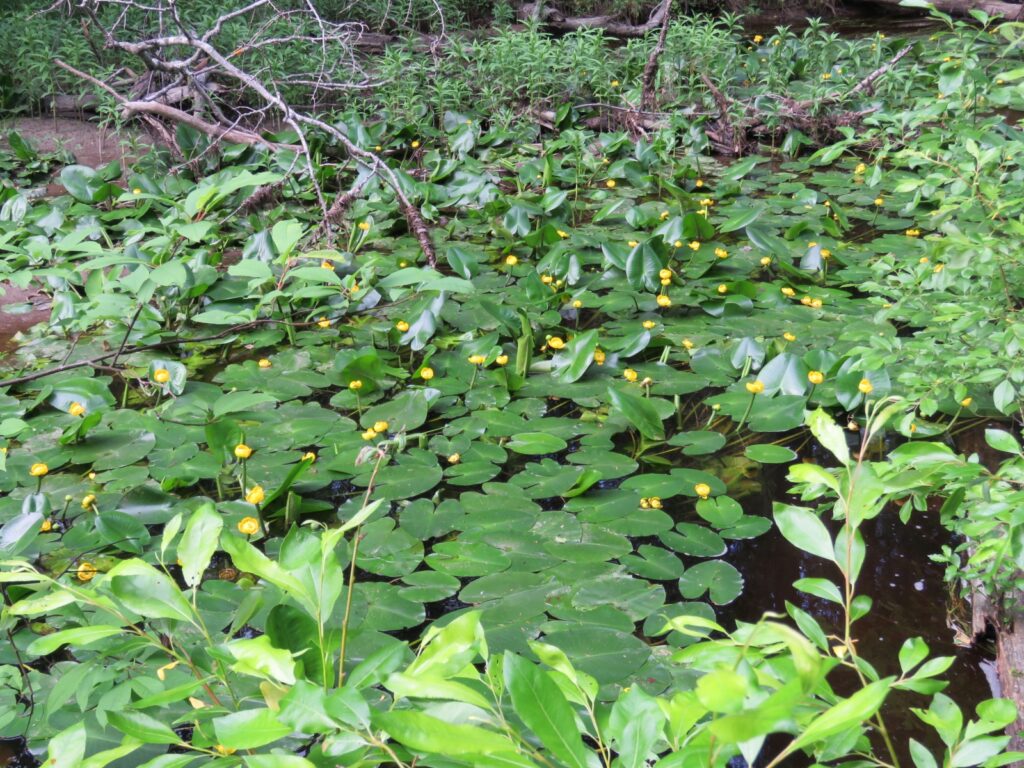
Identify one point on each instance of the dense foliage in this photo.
(275, 499)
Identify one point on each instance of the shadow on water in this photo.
(910, 599)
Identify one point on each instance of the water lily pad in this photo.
(766, 453)
(721, 581)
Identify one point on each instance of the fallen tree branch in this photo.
(214, 131)
(651, 67)
(609, 24)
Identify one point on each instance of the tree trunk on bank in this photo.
(1009, 11)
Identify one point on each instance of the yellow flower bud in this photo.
(255, 495)
(85, 572)
(610, 183)
(380, 426)
(966, 402)
(702, 489)
(364, 226)
(865, 387)
(264, 363)
(630, 374)
(38, 470)
(426, 374)
(355, 384)
(76, 409)
(242, 451)
(815, 377)
(511, 261)
(402, 326)
(455, 458)
(249, 525)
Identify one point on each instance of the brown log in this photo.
(612, 25)
(651, 67)
(1009, 11)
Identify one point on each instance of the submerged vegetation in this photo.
(280, 495)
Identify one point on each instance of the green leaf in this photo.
(848, 713)
(143, 727)
(79, 636)
(423, 733)
(572, 362)
(638, 411)
(148, 592)
(804, 530)
(67, 748)
(1002, 440)
(536, 443)
(829, 434)
(765, 453)
(249, 729)
(543, 708)
(199, 542)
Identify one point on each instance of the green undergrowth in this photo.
(275, 499)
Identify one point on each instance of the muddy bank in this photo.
(20, 309)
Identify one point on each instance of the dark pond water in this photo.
(910, 599)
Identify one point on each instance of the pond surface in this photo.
(910, 599)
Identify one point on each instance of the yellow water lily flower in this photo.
(789, 336)
(687, 344)
(787, 291)
(249, 526)
(264, 363)
(364, 226)
(255, 495)
(556, 342)
(879, 200)
(695, 245)
(477, 359)
(664, 301)
(309, 456)
(85, 572)
(755, 387)
(721, 253)
(630, 375)
(76, 409)
(501, 359)
(966, 402)
(766, 261)
(577, 304)
(426, 374)
(455, 458)
(815, 377)
(380, 426)
(38, 469)
(599, 356)
(88, 500)
(865, 386)
(511, 260)
(655, 502)
(648, 324)
(46, 526)
(610, 183)
(402, 326)
(702, 489)
(242, 451)
(355, 384)
(369, 434)
(161, 375)
(323, 322)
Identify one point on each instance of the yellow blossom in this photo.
(255, 495)
(369, 434)
(364, 225)
(687, 344)
(826, 253)
(655, 502)
(789, 336)
(599, 356)
(76, 409)
(547, 279)
(162, 672)
(787, 291)
(664, 301)
(476, 360)
(249, 526)
(380, 426)
(806, 301)
(879, 200)
(511, 261)
(677, 244)
(88, 500)
(816, 303)
(721, 253)
(46, 526)
(220, 748)
(630, 374)
(136, 191)
(242, 451)
(702, 489)
(815, 377)
(309, 456)
(865, 387)
(938, 268)
(161, 375)
(325, 264)
(723, 288)
(694, 245)
(562, 233)
(913, 232)
(501, 359)
(426, 374)
(665, 274)
(455, 458)
(415, 145)
(85, 572)
(766, 261)
(610, 183)
(577, 304)
(648, 324)
(758, 38)
(556, 342)
(860, 169)
(38, 469)
(402, 326)
(699, 183)
(664, 215)
(966, 402)
(633, 243)
(264, 363)
(755, 387)
(323, 322)
(355, 384)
